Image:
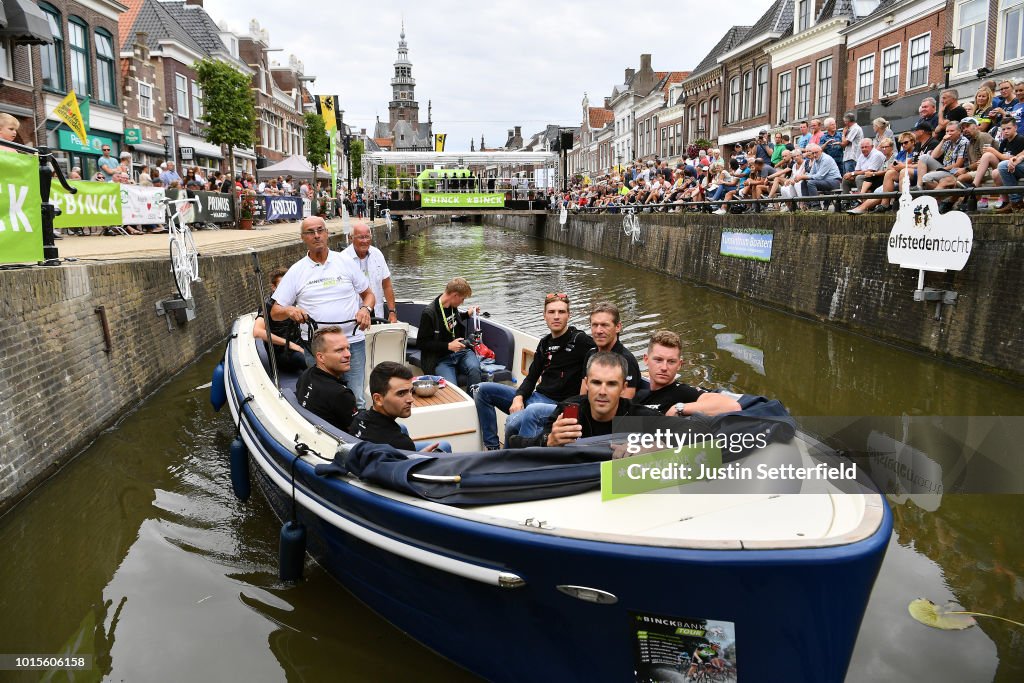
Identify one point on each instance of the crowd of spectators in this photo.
(951, 145)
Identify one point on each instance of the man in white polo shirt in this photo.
(370, 262)
(329, 288)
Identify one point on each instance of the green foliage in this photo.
(355, 154)
(702, 143)
(229, 106)
(318, 145)
(389, 173)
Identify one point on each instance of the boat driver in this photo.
(391, 391)
(670, 397)
(321, 389)
(326, 286)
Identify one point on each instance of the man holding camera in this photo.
(764, 148)
(442, 335)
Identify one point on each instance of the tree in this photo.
(318, 146)
(229, 107)
(355, 157)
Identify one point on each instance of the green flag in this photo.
(334, 167)
(21, 232)
(83, 107)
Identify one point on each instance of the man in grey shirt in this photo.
(852, 135)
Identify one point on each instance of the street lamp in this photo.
(167, 128)
(948, 52)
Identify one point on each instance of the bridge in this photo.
(460, 183)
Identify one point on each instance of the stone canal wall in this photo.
(59, 387)
(833, 268)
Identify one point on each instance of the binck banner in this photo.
(458, 200)
(21, 232)
(95, 205)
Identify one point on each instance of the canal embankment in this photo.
(84, 343)
(831, 267)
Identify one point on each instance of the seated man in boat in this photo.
(442, 335)
(391, 390)
(666, 395)
(555, 375)
(605, 326)
(601, 403)
(329, 288)
(321, 389)
(285, 333)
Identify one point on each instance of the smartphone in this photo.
(572, 410)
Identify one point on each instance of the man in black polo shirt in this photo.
(666, 395)
(391, 390)
(321, 389)
(554, 375)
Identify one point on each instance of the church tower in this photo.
(403, 106)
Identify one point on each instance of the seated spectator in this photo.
(867, 165)
(882, 131)
(977, 141)
(321, 389)
(1010, 145)
(982, 109)
(1011, 171)
(285, 333)
(945, 160)
(890, 175)
(952, 110)
(823, 175)
(391, 389)
(1005, 97)
(928, 113)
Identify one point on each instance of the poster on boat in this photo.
(670, 649)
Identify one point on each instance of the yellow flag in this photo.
(439, 139)
(70, 114)
(325, 107)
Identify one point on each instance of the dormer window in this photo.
(803, 14)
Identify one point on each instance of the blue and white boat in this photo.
(570, 587)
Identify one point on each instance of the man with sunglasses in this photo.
(555, 375)
(107, 164)
(327, 287)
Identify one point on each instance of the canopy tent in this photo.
(295, 166)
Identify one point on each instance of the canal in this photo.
(138, 554)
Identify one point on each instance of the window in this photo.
(748, 94)
(52, 56)
(785, 96)
(693, 123)
(762, 90)
(970, 32)
(6, 64)
(79, 42)
(197, 101)
(181, 95)
(702, 120)
(803, 91)
(715, 106)
(919, 49)
(664, 142)
(891, 70)
(865, 78)
(145, 100)
(1012, 20)
(824, 93)
(734, 99)
(803, 14)
(105, 67)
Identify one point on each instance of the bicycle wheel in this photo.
(181, 270)
(627, 223)
(192, 254)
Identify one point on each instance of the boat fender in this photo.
(218, 394)
(293, 550)
(240, 469)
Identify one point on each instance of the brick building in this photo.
(702, 91)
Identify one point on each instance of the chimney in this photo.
(607, 103)
(511, 132)
(645, 63)
(629, 75)
(195, 3)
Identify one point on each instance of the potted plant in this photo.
(247, 210)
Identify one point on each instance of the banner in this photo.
(755, 245)
(94, 205)
(327, 107)
(334, 167)
(455, 200)
(439, 139)
(283, 208)
(214, 207)
(21, 231)
(141, 205)
(69, 112)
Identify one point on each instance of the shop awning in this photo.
(201, 146)
(150, 148)
(242, 153)
(3, 16)
(25, 23)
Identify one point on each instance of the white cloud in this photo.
(486, 67)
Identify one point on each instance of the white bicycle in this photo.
(631, 224)
(184, 255)
(386, 215)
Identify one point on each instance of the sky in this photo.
(487, 67)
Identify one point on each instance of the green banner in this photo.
(69, 141)
(132, 136)
(21, 232)
(458, 200)
(94, 205)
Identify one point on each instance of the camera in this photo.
(473, 340)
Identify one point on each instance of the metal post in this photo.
(50, 254)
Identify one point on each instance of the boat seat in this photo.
(285, 379)
(289, 394)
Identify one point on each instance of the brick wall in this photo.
(837, 104)
(834, 268)
(59, 389)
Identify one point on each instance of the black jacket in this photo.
(558, 366)
(433, 337)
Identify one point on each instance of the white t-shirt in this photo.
(328, 292)
(376, 270)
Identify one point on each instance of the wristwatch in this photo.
(679, 408)
(368, 309)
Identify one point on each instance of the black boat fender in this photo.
(218, 393)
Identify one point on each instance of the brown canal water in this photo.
(138, 554)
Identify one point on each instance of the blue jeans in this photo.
(848, 166)
(1011, 179)
(442, 446)
(491, 395)
(465, 360)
